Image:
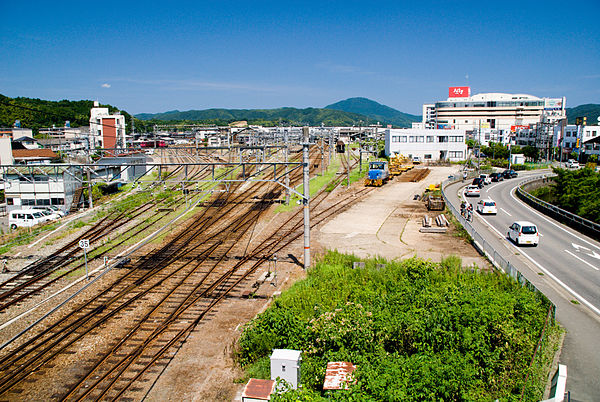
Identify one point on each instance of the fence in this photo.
(488, 250)
(570, 219)
(536, 366)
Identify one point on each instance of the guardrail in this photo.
(488, 250)
(570, 219)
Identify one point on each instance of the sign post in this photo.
(85, 244)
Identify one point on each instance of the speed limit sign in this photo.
(84, 243)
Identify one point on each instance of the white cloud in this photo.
(105, 85)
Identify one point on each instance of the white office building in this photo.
(573, 138)
(429, 145)
(106, 130)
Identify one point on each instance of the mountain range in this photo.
(352, 111)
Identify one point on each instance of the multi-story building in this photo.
(574, 138)
(429, 145)
(496, 111)
(106, 130)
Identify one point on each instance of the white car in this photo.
(523, 232)
(472, 191)
(486, 178)
(487, 206)
(573, 164)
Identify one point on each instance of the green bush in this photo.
(416, 330)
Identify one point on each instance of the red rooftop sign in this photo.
(459, 92)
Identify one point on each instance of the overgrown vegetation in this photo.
(38, 113)
(416, 330)
(577, 191)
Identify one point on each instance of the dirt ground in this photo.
(385, 223)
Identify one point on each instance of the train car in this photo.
(378, 174)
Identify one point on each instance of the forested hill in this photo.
(286, 115)
(38, 113)
(376, 111)
(591, 111)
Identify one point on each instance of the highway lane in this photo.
(553, 267)
(572, 258)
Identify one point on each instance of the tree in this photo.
(531, 152)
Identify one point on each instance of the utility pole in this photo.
(348, 162)
(89, 180)
(286, 151)
(306, 198)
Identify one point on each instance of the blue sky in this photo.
(159, 56)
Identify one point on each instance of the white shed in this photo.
(285, 364)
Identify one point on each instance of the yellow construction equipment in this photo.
(399, 164)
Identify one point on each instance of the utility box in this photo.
(517, 159)
(285, 364)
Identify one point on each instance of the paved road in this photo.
(565, 266)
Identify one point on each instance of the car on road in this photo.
(509, 174)
(487, 206)
(523, 232)
(478, 181)
(572, 164)
(496, 177)
(486, 178)
(472, 191)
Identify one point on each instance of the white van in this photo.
(25, 218)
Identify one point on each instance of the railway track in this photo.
(135, 324)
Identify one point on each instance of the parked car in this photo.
(472, 191)
(572, 164)
(523, 232)
(486, 178)
(25, 218)
(416, 160)
(52, 209)
(487, 206)
(509, 174)
(478, 181)
(496, 177)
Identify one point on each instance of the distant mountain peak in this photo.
(375, 110)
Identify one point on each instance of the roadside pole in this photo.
(306, 198)
(85, 244)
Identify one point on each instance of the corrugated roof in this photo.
(44, 169)
(337, 375)
(33, 153)
(258, 389)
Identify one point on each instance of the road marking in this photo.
(503, 210)
(512, 191)
(582, 260)
(545, 271)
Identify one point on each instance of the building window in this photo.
(430, 138)
(420, 139)
(411, 138)
(443, 138)
(395, 138)
(403, 138)
(9, 201)
(427, 156)
(455, 154)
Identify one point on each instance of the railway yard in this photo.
(174, 276)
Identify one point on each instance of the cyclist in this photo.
(470, 212)
(463, 206)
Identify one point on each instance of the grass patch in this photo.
(415, 329)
